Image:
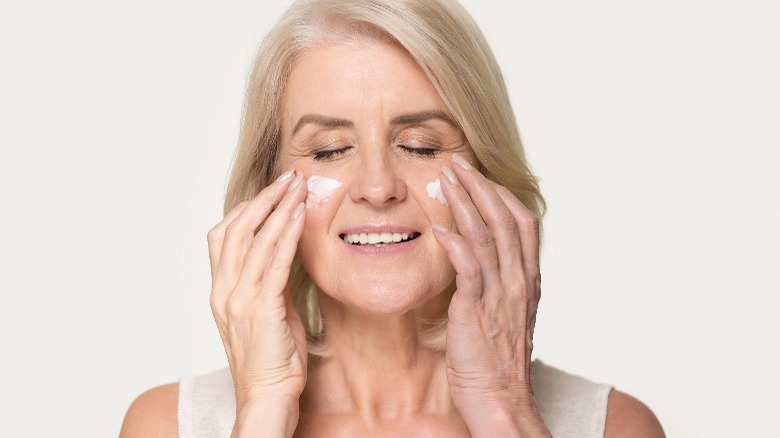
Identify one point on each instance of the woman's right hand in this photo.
(263, 335)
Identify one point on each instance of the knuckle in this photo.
(482, 237)
(530, 267)
(233, 228)
(471, 274)
(530, 220)
(217, 305)
(507, 221)
(213, 234)
(233, 309)
(277, 263)
(515, 280)
(214, 303)
(257, 241)
(274, 263)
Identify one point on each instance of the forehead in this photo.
(358, 80)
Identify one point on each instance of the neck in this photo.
(376, 367)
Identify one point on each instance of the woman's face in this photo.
(364, 116)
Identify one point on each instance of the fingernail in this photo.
(296, 181)
(462, 162)
(297, 212)
(449, 174)
(285, 176)
(440, 228)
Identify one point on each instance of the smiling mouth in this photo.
(378, 239)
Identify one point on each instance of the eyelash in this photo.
(328, 153)
(429, 152)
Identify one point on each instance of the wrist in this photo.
(274, 417)
(506, 419)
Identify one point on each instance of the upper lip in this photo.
(378, 229)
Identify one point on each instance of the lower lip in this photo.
(391, 249)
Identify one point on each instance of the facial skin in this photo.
(365, 114)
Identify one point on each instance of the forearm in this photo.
(267, 418)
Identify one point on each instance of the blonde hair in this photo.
(447, 44)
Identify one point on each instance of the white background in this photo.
(653, 125)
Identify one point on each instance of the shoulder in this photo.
(627, 416)
(153, 414)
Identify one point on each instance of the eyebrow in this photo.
(403, 119)
(317, 119)
(424, 116)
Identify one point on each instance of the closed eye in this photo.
(329, 153)
(423, 152)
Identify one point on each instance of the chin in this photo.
(387, 298)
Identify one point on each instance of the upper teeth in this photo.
(375, 238)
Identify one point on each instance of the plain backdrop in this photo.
(652, 125)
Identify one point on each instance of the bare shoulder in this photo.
(153, 414)
(627, 416)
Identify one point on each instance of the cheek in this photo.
(320, 189)
(431, 199)
(433, 189)
(322, 202)
(312, 246)
(319, 216)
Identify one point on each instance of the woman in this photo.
(376, 271)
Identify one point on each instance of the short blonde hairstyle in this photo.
(447, 44)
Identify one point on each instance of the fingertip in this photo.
(461, 161)
(442, 235)
(295, 182)
(285, 176)
(299, 209)
(449, 175)
(440, 228)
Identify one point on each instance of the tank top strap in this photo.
(207, 405)
(571, 406)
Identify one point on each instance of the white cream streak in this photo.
(434, 191)
(320, 189)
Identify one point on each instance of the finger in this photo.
(499, 219)
(215, 239)
(216, 236)
(296, 324)
(528, 225)
(240, 232)
(468, 279)
(277, 273)
(470, 223)
(264, 243)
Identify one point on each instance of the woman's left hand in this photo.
(493, 311)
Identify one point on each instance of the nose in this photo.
(377, 181)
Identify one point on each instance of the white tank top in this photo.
(572, 407)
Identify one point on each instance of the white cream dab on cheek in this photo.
(434, 191)
(320, 189)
